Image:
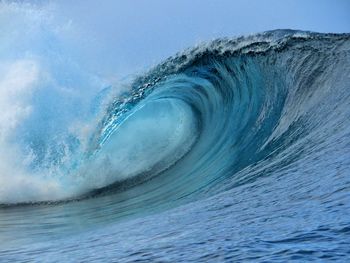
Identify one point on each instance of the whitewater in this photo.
(237, 149)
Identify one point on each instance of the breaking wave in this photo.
(206, 120)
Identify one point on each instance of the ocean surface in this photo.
(234, 150)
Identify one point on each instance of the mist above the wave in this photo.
(45, 103)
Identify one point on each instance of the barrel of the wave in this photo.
(151, 138)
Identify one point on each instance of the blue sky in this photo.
(128, 36)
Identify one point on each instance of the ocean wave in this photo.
(208, 119)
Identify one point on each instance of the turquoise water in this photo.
(235, 150)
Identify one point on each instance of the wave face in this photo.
(247, 131)
(208, 115)
(211, 115)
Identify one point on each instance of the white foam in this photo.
(30, 59)
(17, 84)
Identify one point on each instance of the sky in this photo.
(124, 37)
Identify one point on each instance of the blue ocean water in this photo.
(235, 150)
